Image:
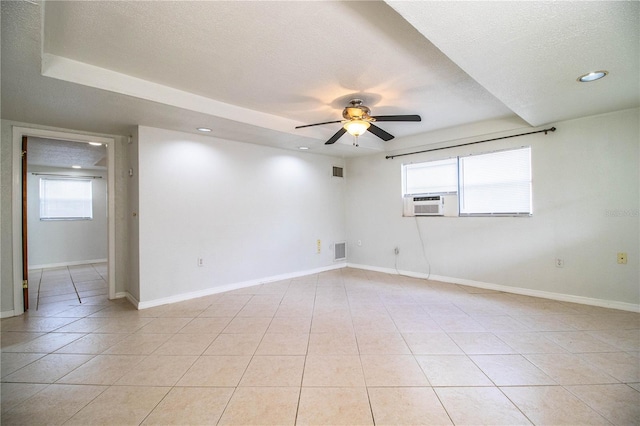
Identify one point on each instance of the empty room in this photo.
(322, 213)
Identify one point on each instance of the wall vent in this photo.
(338, 172)
(340, 251)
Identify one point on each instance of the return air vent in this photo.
(338, 172)
(340, 251)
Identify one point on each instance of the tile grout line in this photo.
(304, 365)
(39, 286)
(74, 285)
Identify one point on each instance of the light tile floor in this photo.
(345, 347)
(81, 284)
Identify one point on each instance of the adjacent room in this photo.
(370, 212)
(66, 222)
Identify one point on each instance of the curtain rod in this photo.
(550, 129)
(66, 176)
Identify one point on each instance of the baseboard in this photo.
(120, 295)
(613, 304)
(131, 299)
(63, 264)
(7, 314)
(229, 287)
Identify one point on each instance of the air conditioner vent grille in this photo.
(426, 209)
(340, 251)
(338, 171)
(423, 205)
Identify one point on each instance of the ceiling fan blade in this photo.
(318, 124)
(380, 133)
(413, 117)
(335, 137)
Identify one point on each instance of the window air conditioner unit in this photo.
(423, 205)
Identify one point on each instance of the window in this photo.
(65, 199)
(433, 177)
(496, 183)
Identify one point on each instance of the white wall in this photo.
(66, 242)
(586, 202)
(6, 223)
(250, 212)
(133, 241)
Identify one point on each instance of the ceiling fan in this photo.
(357, 121)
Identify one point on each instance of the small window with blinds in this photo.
(66, 199)
(431, 177)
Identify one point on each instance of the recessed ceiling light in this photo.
(76, 167)
(592, 76)
(204, 129)
(95, 143)
(303, 148)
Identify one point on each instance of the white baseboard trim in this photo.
(62, 264)
(229, 287)
(613, 304)
(132, 299)
(120, 295)
(7, 314)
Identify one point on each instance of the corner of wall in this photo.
(132, 287)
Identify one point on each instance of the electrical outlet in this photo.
(396, 251)
(559, 263)
(622, 258)
(200, 261)
(318, 246)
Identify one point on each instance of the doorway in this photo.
(103, 267)
(66, 222)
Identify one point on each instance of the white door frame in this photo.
(18, 133)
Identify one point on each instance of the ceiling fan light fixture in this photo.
(357, 120)
(356, 127)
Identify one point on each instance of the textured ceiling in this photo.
(529, 54)
(252, 71)
(64, 154)
(297, 60)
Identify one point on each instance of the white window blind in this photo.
(432, 177)
(65, 199)
(496, 183)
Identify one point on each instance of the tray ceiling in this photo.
(252, 71)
